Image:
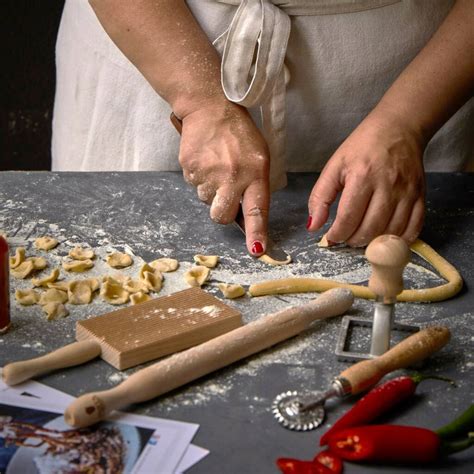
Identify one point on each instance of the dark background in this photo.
(29, 31)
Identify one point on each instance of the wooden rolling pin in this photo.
(200, 360)
(68, 356)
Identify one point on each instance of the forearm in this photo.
(166, 44)
(438, 81)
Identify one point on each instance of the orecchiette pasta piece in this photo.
(231, 291)
(53, 296)
(197, 276)
(79, 292)
(271, 261)
(55, 310)
(39, 263)
(117, 279)
(114, 293)
(46, 243)
(119, 260)
(19, 257)
(78, 265)
(152, 277)
(139, 297)
(59, 285)
(136, 286)
(165, 264)
(51, 278)
(323, 242)
(154, 280)
(27, 297)
(209, 261)
(94, 283)
(80, 253)
(146, 267)
(23, 270)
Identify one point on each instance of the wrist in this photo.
(386, 117)
(214, 111)
(186, 104)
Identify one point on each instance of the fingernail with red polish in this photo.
(257, 247)
(308, 223)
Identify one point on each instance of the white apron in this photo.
(340, 57)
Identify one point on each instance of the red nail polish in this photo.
(257, 247)
(308, 223)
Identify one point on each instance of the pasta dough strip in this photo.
(424, 295)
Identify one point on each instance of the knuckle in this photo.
(184, 158)
(256, 211)
(317, 199)
(221, 216)
(204, 193)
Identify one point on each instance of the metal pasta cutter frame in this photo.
(388, 256)
(381, 331)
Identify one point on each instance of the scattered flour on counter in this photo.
(117, 378)
(206, 392)
(300, 355)
(34, 345)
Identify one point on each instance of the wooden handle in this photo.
(388, 255)
(411, 350)
(73, 354)
(200, 360)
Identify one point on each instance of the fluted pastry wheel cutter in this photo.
(303, 411)
(388, 256)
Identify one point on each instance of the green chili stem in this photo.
(459, 427)
(451, 447)
(417, 378)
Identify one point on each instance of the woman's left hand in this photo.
(379, 169)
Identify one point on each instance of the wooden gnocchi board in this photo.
(158, 327)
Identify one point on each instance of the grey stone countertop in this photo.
(152, 215)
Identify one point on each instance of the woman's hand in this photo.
(224, 155)
(379, 169)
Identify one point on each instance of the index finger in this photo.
(255, 206)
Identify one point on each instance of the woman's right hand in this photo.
(224, 155)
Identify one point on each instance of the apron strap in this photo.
(253, 50)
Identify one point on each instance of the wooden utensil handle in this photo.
(73, 354)
(388, 255)
(200, 360)
(411, 350)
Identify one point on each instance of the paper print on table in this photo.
(38, 441)
(172, 453)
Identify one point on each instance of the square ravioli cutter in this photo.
(388, 256)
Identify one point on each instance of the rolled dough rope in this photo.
(207, 357)
(425, 295)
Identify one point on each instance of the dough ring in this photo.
(425, 295)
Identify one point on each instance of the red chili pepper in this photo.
(330, 460)
(295, 466)
(386, 443)
(378, 401)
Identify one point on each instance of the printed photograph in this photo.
(36, 441)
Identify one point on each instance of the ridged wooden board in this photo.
(158, 327)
